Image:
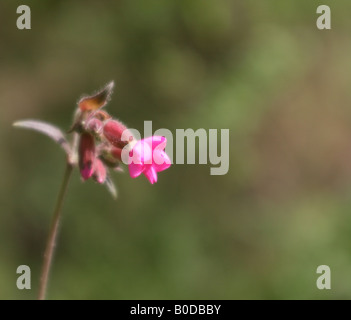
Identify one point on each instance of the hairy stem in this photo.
(50, 245)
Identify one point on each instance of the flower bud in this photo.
(113, 131)
(116, 153)
(99, 171)
(94, 125)
(86, 155)
(111, 156)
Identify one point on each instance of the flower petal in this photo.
(151, 174)
(161, 160)
(135, 170)
(156, 142)
(99, 171)
(142, 153)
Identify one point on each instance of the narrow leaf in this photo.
(51, 131)
(97, 100)
(111, 187)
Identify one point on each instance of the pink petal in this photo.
(161, 160)
(142, 153)
(99, 171)
(87, 171)
(149, 158)
(135, 170)
(156, 142)
(151, 174)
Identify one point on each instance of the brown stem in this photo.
(50, 245)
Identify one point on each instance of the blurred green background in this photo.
(261, 69)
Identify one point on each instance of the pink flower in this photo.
(113, 131)
(148, 157)
(94, 125)
(99, 171)
(86, 155)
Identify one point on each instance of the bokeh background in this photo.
(259, 68)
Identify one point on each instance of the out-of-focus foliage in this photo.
(261, 69)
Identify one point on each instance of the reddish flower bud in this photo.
(99, 171)
(113, 132)
(111, 156)
(116, 153)
(86, 155)
(94, 125)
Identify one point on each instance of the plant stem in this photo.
(50, 245)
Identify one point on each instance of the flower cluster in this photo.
(99, 142)
(103, 141)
